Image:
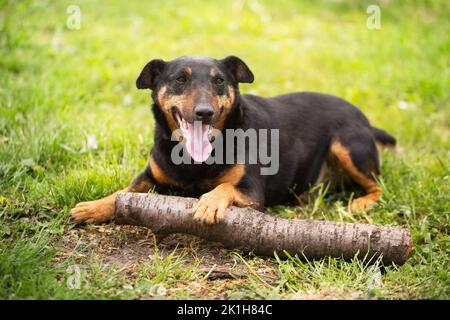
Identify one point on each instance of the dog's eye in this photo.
(219, 81)
(181, 79)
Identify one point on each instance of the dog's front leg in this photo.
(213, 205)
(102, 210)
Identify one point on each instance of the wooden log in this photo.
(248, 230)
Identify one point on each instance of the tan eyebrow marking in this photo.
(188, 70)
(212, 72)
(227, 102)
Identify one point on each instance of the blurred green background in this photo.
(74, 127)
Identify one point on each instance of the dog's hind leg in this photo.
(358, 156)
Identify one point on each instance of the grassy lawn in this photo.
(61, 88)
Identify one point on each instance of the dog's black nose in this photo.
(203, 112)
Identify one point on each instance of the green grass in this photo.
(58, 86)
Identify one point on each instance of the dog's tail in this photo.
(384, 138)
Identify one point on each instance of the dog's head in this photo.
(195, 94)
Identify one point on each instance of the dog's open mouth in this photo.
(196, 135)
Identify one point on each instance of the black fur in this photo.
(383, 137)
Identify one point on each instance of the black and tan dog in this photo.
(319, 136)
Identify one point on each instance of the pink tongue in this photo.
(197, 142)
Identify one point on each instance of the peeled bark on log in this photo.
(251, 230)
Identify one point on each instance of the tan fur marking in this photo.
(167, 102)
(381, 147)
(180, 101)
(345, 160)
(160, 176)
(370, 186)
(323, 174)
(225, 101)
(160, 95)
(232, 175)
(212, 72)
(188, 70)
(97, 211)
(141, 186)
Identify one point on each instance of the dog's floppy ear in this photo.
(146, 79)
(238, 69)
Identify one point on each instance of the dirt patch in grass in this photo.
(129, 248)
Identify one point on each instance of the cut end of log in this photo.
(251, 230)
(410, 245)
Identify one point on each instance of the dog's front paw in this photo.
(362, 204)
(211, 207)
(93, 211)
